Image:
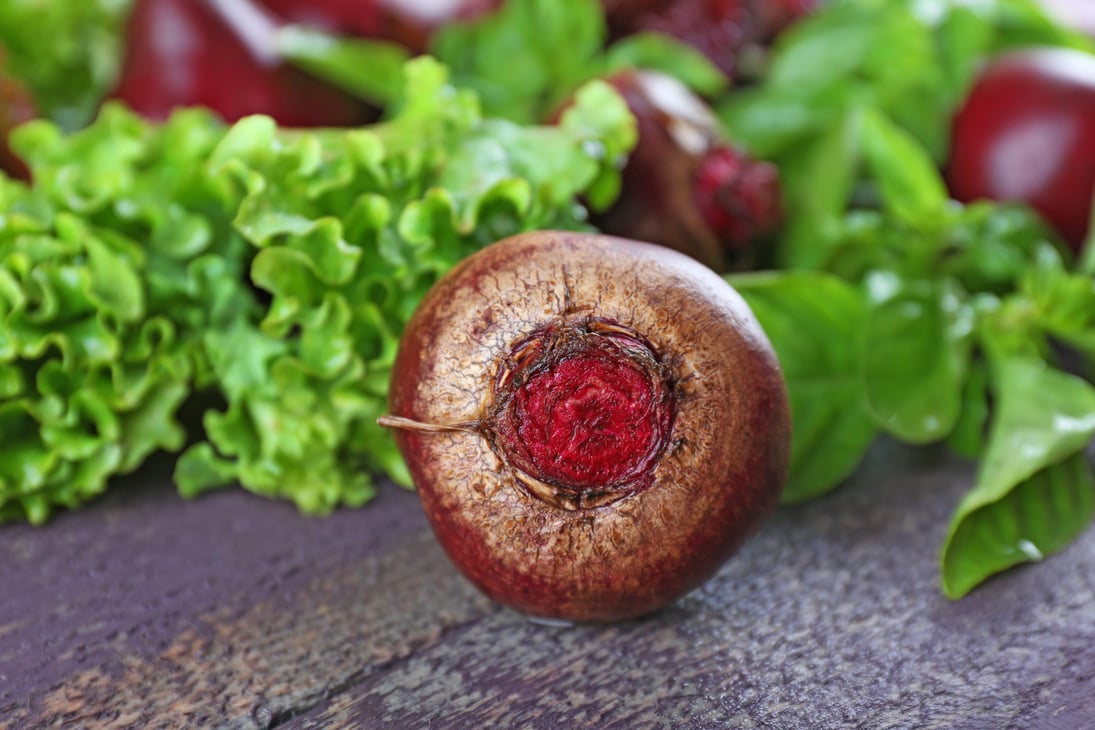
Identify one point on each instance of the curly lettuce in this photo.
(101, 295)
(259, 275)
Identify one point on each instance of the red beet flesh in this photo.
(1026, 132)
(594, 425)
(586, 409)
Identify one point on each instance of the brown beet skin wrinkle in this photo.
(583, 407)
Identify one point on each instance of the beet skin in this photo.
(1026, 132)
(594, 425)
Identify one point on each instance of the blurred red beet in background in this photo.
(185, 53)
(1026, 132)
(731, 33)
(685, 186)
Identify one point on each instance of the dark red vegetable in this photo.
(594, 424)
(685, 186)
(187, 53)
(220, 54)
(731, 33)
(1026, 132)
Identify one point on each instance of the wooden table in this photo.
(231, 611)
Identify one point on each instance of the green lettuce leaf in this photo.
(260, 276)
(350, 230)
(103, 300)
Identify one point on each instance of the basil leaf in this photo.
(909, 182)
(668, 55)
(963, 40)
(1027, 23)
(770, 122)
(814, 322)
(990, 246)
(1064, 302)
(371, 69)
(818, 183)
(830, 46)
(916, 349)
(1038, 517)
(967, 438)
(1033, 492)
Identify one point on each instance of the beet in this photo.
(185, 53)
(1026, 132)
(594, 425)
(731, 33)
(685, 186)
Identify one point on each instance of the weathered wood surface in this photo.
(231, 611)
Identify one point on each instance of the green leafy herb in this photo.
(342, 61)
(815, 321)
(926, 320)
(865, 78)
(909, 185)
(1035, 490)
(916, 352)
(101, 309)
(524, 61)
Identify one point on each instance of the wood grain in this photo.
(231, 611)
(147, 611)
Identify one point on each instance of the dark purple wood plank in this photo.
(232, 611)
(830, 618)
(146, 610)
